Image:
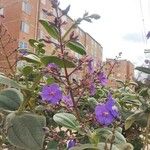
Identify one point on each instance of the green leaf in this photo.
(144, 92)
(131, 119)
(60, 62)
(83, 146)
(143, 69)
(52, 145)
(67, 120)
(95, 16)
(10, 99)
(106, 133)
(25, 131)
(50, 80)
(100, 146)
(76, 47)
(103, 133)
(37, 45)
(119, 138)
(31, 58)
(126, 146)
(33, 43)
(92, 102)
(9, 82)
(50, 28)
(27, 70)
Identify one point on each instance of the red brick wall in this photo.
(14, 15)
(123, 70)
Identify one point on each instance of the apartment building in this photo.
(21, 17)
(120, 70)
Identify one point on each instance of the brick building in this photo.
(122, 70)
(22, 21)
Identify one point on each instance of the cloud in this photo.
(134, 37)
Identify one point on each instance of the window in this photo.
(2, 11)
(26, 7)
(23, 45)
(43, 2)
(24, 27)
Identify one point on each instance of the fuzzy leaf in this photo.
(31, 58)
(125, 146)
(100, 146)
(67, 120)
(143, 69)
(131, 119)
(10, 99)
(95, 16)
(9, 82)
(60, 62)
(119, 138)
(27, 70)
(33, 43)
(50, 28)
(76, 47)
(52, 145)
(25, 131)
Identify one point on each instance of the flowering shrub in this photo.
(60, 102)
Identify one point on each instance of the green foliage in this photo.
(27, 70)
(106, 134)
(143, 69)
(60, 62)
(52, 145)
(31, 58)
(36, 122)
(100, 146)
(77, 47)
(10, 99)
(50, 28)
(25, 130)
(39, 46)
(9, 82)
(131, 119)
(67, 120)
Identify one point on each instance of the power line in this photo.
(143, 23)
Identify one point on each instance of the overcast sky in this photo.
(121, 27)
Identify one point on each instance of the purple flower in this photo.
(103, 115)
(110, 101)
(51, 93)
(53, 67)
(92, 89)
(71, 143)
(102, 78)
(110, 104)
(90, 66)
(107, 112)
(68, 100)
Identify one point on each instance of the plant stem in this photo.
(113, 137)
(65, 68)
(68, 31)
